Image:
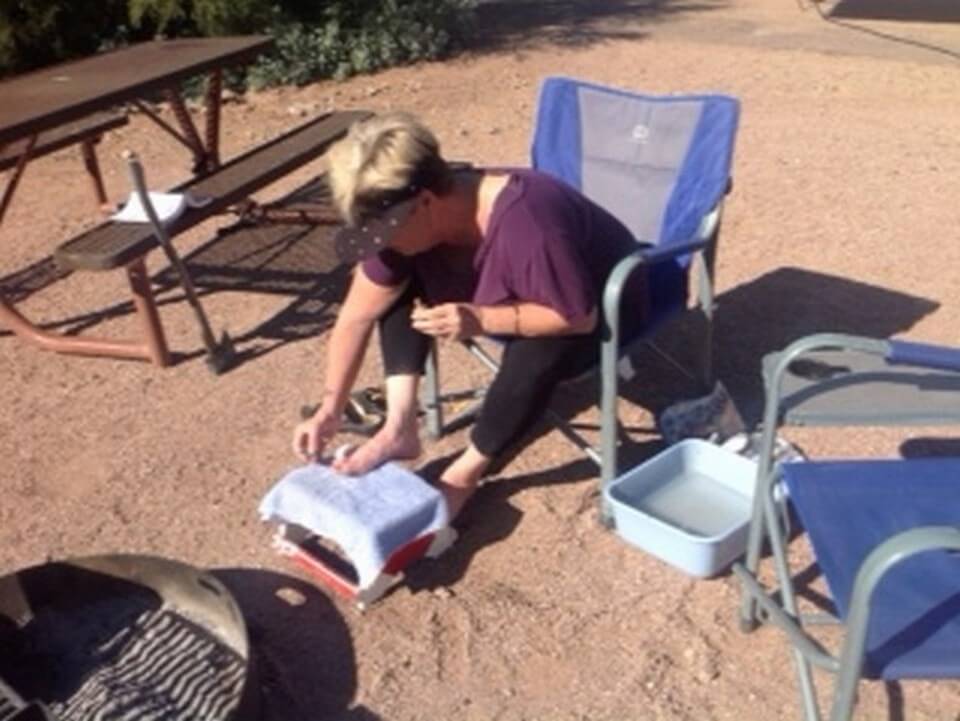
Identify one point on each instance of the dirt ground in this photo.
(843, 217)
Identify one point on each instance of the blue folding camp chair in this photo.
(885, 533)
(661, 164)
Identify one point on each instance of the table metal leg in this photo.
(15, 177)
(93, 169)
(146, 306)
(153, 347)
(200, 157)
(212, 110)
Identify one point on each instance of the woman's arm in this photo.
(465, 320)
(532, 319)
(366, 301)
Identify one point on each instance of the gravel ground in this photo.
(841, 218)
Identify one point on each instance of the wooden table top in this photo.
(43, 99)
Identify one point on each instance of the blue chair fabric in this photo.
(848, 508)
(885, 532)
(660, 163)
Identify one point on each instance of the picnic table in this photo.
(72, 103)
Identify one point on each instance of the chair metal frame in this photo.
(770, 523)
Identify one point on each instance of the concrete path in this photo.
(923, 31)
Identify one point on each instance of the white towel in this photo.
(368, 517)
(168, 207)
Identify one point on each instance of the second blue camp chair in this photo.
(885, 532)
(662, 165)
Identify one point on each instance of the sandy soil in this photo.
(843, 217)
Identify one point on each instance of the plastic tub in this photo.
(689, 505)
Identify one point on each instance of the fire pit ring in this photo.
(123, 637)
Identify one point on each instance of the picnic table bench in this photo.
(113, 245)
(39, 113)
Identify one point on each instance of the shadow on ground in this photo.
(769, 312)
(302, 650)
(490, 517)
(525, 24)
(930, 447)
(848, 13)
(924, 11)
(295, 258)
(754, 319)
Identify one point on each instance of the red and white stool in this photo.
(357, 535)
(306, 550)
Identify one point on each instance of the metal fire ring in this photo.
(121, 637)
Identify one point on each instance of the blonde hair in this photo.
(383, 154)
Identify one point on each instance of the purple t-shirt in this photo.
(545, 243)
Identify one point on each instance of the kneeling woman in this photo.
(450, 252)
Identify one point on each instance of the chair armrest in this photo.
(773, 382)
(880, 561)
(654, 254)
(811, 344)
(933, 371)
(923, 355)
(781, 399)
(613, 288)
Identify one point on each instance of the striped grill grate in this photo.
(10, 702)
(164, 668)
(7, 708)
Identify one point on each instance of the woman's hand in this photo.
(311, 436)
(452, 321)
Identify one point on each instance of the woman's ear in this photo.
(427, 197)
(429, 203)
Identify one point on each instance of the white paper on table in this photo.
(167, 206)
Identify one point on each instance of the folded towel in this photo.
(368, 517)
(167, 206)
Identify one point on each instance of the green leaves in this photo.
(360, 37)
(315, 39)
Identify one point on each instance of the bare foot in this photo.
(387, 445)
(461, 478)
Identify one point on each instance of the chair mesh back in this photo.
(658, 163)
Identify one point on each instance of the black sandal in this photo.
(364, 414)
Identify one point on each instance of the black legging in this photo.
(529, 371)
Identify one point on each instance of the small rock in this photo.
(227, 95)
(443, 593)
(708, 673)
(291, 596)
